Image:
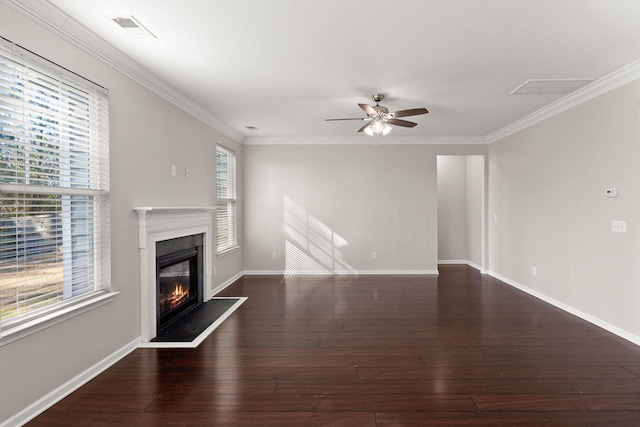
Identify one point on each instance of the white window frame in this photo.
(29, 81)
(226, 210)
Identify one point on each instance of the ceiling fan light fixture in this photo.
(378, 127)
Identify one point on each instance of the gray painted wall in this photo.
(356, 200)
(547, 188)
(476, 210)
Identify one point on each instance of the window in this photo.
(226, 192)
(54, 192)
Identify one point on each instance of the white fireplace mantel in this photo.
(156, 224)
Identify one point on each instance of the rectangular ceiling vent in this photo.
(132, 27)
(550, 86)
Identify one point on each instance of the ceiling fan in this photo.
(379, 118)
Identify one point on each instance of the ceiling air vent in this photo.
(550, 86)
(132, 27)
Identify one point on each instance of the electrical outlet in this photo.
(374, 255)
(534, 271)
(186, 171)
(173, 170)
(274, 255)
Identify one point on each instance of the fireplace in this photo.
(179, 278)
(176, 226)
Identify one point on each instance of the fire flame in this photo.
(177, 296)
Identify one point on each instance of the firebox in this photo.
(179, 278)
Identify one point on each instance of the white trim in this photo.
(462, 261)
(50, 399)
(263, 272)
(599, 87)
(562, 306)
(196, 342)
(53, 19)
(227, 251)
(334, 273)
(60, 315)
(398, 272)
(221, 287)
(156, 224)
(366, 140)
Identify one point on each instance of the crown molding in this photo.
(367, 140)
(599, 87)
(50, 17)
(53, 19)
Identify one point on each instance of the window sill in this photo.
(227, 251)
(32, 326)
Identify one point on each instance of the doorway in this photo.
(461, 210)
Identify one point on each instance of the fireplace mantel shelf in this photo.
(158, 219)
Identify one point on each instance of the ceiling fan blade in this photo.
(364, 127)
(404, 123)
(351, 118)
(411, 112)
(368, 109)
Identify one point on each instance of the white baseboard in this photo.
(263, 272)
(225, 284)
(398, 272)
(50, 399)
(334, 273)
(562, 306)
(463, 261)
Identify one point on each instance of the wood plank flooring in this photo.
(455, 349)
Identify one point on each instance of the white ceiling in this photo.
(284, 66)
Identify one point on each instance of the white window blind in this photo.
(226, 193)
(54, 189)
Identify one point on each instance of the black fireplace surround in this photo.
(179, 278)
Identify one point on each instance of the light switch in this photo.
(619, 226)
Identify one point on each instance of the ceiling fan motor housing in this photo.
(380, 110)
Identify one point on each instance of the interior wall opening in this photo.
(461, 210)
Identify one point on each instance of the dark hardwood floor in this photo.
(459, 348)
